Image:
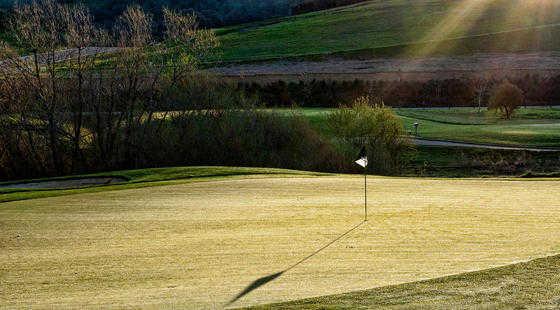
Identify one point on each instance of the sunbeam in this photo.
(458, 22)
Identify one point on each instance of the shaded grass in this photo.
(471, 162)
(141, 178)
(533, 284)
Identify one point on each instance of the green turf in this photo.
(142, 178)
(398, 27)
(532, 127)
(533, 284)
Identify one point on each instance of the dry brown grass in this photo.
(200, 244)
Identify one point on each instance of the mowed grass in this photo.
(198, 244)
(532, 127)
(533, 284)
(399, 27)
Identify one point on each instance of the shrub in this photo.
(369, 123)
(237, 138)
(506, 99)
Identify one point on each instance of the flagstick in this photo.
(365, 194)
(363, 161)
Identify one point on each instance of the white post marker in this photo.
(363, 161)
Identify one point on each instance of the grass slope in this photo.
(142, 178)
(534, 284)
(399, 27)
(198, 244)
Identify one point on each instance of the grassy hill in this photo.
(400, 27)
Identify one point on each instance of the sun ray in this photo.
(535, 19)
(459, 20)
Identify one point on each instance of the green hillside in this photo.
(398, 27)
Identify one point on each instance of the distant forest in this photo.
(211, 13)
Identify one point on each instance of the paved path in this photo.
(425, 142)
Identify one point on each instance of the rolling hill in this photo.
(399, 28)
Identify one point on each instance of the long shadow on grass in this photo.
(264, 280)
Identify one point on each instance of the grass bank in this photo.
(141, 178)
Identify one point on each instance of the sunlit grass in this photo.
(457, 22)
(197, 245)
(395, 27)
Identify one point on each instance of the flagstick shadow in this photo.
(267, 279)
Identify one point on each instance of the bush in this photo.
(369, 123)
(197, 137)
(506, 99)
(236, 138)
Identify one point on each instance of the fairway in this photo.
(530, 127)
(200, 244)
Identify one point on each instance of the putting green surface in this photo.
(201, 244)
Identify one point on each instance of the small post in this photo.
(363, 162)
(365, 195)
(416, 129)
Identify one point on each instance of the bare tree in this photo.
(39, 26)
(134, 28)
(481, 85)
(185, 44)
(64, 107)
(80, 33)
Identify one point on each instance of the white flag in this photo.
(363, 158)
(362, 162)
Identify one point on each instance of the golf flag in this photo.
(363, 161)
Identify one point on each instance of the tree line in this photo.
(63, 116)
(211, 13)
(536, 89)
